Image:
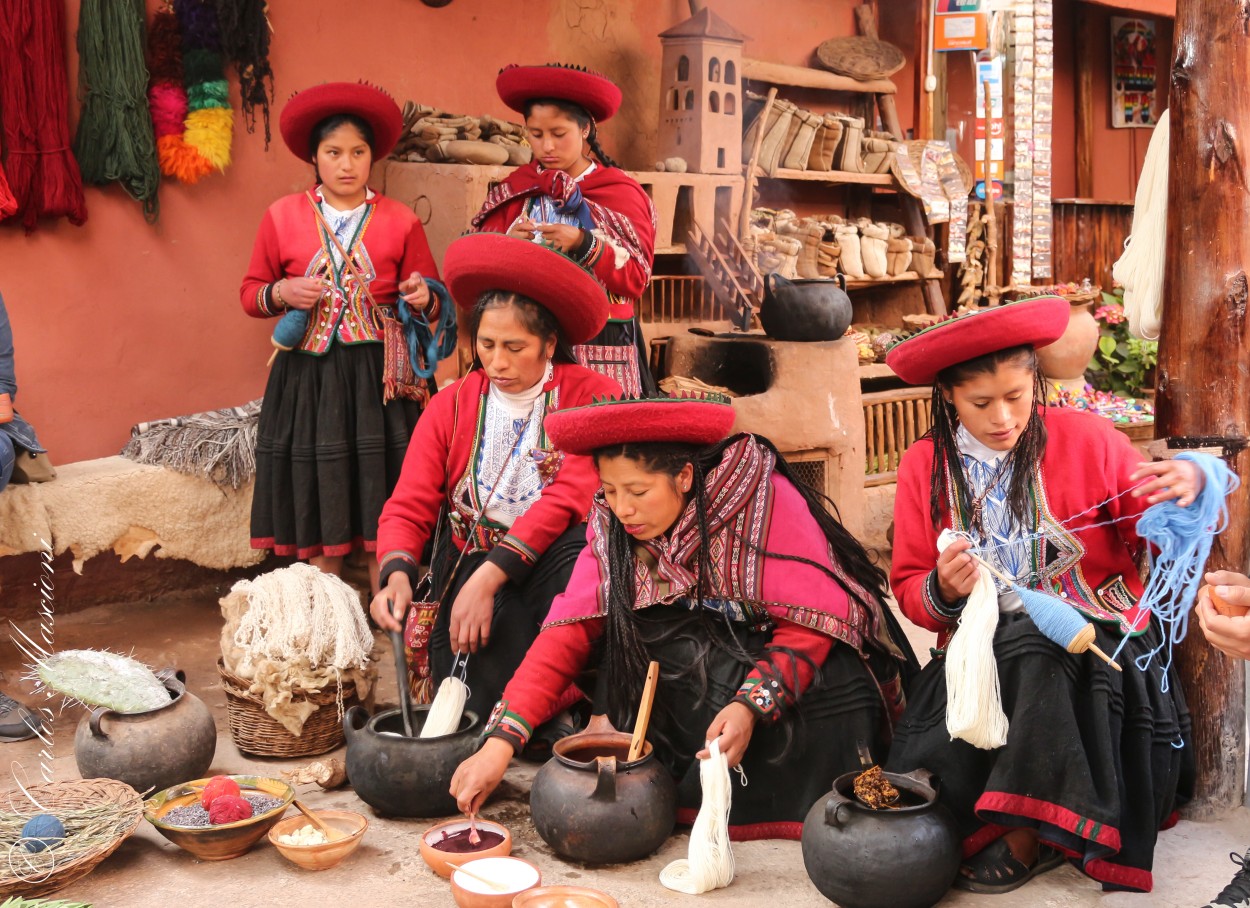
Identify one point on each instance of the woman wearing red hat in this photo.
(1094, 761)
(766, 616)
(580, 203)
(332, 262)
(480, 463)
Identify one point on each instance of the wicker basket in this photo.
(58, 867)
(860, 57)
(257, 733)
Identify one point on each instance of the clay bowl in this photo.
(1227, 609)
(229, 840)
(517, 875)
(437, 859)
(563, 897)
(321, 857)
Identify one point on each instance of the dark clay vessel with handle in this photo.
(815, 309)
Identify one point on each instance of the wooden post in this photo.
(1204, 351)
(924, 99)
(1088, 52)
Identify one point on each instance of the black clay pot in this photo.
(592, 805)
(150, 750)
(405, 777)
(815, 309)
(864, 858)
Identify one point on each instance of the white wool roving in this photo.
(710, 861)
(300, 611)
(974, 708)
(1140, 268)
(445, 712)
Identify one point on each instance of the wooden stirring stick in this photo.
(493, 884)
(644, 713)
(329, 832)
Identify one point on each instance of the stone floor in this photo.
(1191, 862)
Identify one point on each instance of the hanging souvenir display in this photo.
(1043, 108)
(244, 28)
(114, 140)
(42, 173)
(1022, 209)
(189, 96)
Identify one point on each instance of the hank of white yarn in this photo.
(1140, 268)
(709, 863)
(445, 712)
(974, 708)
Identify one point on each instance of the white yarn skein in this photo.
(445, 712)
(974, 708)
(1140, 268)
(709, 863)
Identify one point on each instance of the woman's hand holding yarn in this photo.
(415, 291)
(563, 237)
(1173, 479)
(391, 604)
(301, 292)
(523, 229)
(733, 725)
(475, 605)
(480, 774)
(956, 571)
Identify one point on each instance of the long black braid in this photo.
(625, 658)
(583, 119)
(1024, 456)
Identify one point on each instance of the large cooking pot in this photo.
(812, 309)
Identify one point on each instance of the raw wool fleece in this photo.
(292, 632)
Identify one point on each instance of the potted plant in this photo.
(1121, 363)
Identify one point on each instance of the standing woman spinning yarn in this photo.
(1095, 760)
(574, 198)
(330, 447)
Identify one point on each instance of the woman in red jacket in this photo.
(481, 463)
(1094, 760)
(329, 444)
(766, 616)
(574, 198)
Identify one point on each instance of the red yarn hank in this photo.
(217, 787)
(43, 174)
(229, 808)
(8, 204)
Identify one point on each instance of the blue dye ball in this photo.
(42, 831)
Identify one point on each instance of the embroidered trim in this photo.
(931, 600)
(508, 725)
(398, 555)
(765, 698)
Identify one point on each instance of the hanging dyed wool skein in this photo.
(244, 28)
(444, 715)
(167, 99)
(709, 863)
(115, 141)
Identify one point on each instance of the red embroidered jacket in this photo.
(389, 245)
(1087, 461)
(616, 191)
(438, 455)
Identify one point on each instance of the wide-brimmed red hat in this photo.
(1036, 322)
(479, 262)
(597, 94)
(312, 105)
(694, 420)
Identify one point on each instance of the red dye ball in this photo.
(216, 787)
(228, 808)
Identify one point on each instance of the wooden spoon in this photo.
(493, 884)
(644, 713)
(331, 834)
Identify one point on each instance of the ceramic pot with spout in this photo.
(591, 804)
(859, 857)
(812, 309)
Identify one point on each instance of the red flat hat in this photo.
(686, 420)
(1036, 322)
(478, 262)
(312, 105)
(597, 94)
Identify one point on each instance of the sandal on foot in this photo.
(996, 870)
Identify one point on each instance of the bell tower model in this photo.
(701, 94)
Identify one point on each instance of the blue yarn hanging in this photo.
(429, 343)
(1183, 537)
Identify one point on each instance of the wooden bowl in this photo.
(227, 840)
(564, 897)
(321, 857)
(1225, 608)
(437, 859)
(518, 874)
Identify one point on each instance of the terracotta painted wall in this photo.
(120, 321)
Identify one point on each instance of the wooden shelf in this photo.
(806, 77)
(904, 278)
(875, 370)
(675, 249)
(830, 176)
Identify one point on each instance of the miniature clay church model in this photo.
(701, 94)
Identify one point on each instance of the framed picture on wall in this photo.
(1133, 72)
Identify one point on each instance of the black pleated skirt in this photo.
(328, 452)
(1096, 760)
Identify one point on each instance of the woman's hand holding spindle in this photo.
(391, 604)
(301, 292)
(956, 571)
(733, 725)
(1173, 479)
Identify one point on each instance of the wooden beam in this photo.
(1204, 353)
(1089, 52)
(805, 77)
(924, 99)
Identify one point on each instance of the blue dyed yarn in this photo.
(429, 343)
(42, 831)
(1183, 537)
(1056, 619)
(290, 329)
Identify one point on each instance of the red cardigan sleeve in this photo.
(915, 541)
(630, 280)
(263, 271)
